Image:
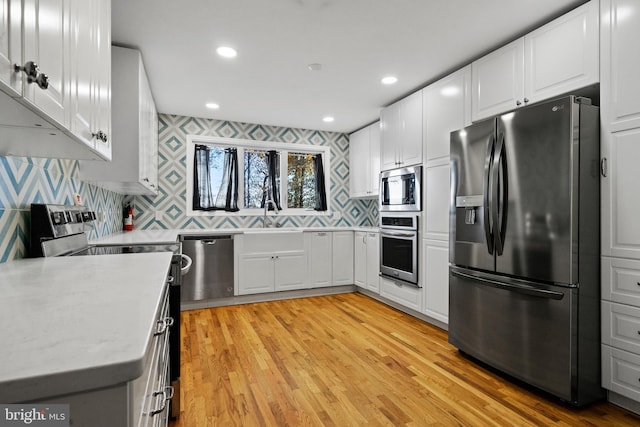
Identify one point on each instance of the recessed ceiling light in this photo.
(212, 105)
(226, 52)
(389, 80)
(314, 67)
(327, 119)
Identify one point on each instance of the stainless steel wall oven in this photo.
(399, 247)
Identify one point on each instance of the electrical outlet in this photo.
(337, 215)
(159, 215)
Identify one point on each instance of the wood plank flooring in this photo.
(348, 360)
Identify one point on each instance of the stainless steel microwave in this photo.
(400, 189)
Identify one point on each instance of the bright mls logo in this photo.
(34, 415)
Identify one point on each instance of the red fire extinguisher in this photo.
(128, 218)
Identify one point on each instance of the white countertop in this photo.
(76, 323)
(140, 237)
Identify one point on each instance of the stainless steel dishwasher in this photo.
(211, 274)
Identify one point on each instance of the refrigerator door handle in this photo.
(520, 288)
(501, 195)
(488, 199)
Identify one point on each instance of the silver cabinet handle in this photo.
(603, 169)
(33, 73)
(101, 136)
(167, 394)
(30, 68)
(163, 326)
(518, 103)
(526, 100)
(170, 279)
(322, 234)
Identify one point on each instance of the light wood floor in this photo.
(348, 360)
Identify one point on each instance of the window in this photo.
(289, 176)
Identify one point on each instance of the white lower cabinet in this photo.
(366, 250)
(621, 372)
(342, 255)
(373, 261)
(620, 321)
(271, 272)
(330, 258)
(319, 244)
(360, 259)
(435, 279)
(408, 295)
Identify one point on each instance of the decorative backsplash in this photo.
(26, 180)
(171, 198)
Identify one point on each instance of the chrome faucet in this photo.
(267, 222)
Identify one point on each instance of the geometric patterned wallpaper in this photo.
(26, 180)
(171, 197)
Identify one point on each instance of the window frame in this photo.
(241, 145)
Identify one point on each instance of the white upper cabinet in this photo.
(447, 107)
(45, 44)
(620, 89)
(557, 58)
(563, 55)
(90, 75)
(10, 46)
(134, 165)
(364, 162)
(401, 133)
(54, 90)
(498, 81)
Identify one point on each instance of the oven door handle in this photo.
(398, 234)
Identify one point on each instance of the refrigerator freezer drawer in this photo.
(525, 333)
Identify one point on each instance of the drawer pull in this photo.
(167, 394)
(163, 325)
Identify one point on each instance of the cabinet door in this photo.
(374, 156)
(360, 259)
(255, 273)
(447, 107)
(389, 136)
(148, 122)
(45, 43)
(498, 81)
(290, 270)
(321, 260)
(342, 254)
(410, 139)
(620, 88)
(437, 202)
(102, 97)
(10, 46)
(373, 262)
(359, 164)
(563, 55)
(83, 67)
(620, 202)
(436, 279)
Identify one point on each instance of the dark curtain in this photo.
(321, 194)
(227, 195)
(202, 196)
(272, 188)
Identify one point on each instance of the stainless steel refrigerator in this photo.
(524, 246)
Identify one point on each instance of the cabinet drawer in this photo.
(621, 280)
(407, 295)
(621, 372)
(621, 326)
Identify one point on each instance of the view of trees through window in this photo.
(294, 175)
(301, 181)
(255, 177)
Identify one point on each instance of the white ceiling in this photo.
(356, 41)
